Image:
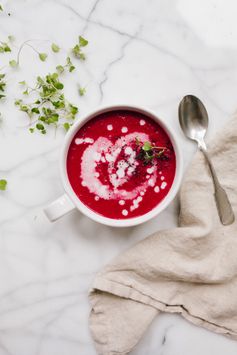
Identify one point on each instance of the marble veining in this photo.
(146, 52)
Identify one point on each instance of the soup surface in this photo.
(121, 164)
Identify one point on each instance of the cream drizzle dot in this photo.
(79, 141)
(89, 140)
(157, 189)
(124, 129)
(162, 178)
(109, 127)
(83, 183)
(151, 182)
(163, 185)
(150, 170)
(142, 122)
(122, 202)
(97, 198)
(124, 212)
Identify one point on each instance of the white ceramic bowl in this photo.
(70, 201)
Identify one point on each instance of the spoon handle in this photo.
(224, 207)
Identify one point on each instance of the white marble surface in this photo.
(147, 52)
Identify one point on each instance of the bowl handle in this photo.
(59, 208)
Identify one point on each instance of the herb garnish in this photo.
(16, 62)
(69, 65)
(1, 8)
(148, 151)
(5, 45)
(77, 49)
(3, 184)
(50, 106)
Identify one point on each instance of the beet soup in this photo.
(121, 164)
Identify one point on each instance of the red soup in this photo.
(121, 164)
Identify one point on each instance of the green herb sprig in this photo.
(149, 151)
(50, 107)
(77, 49)
(16, 62)
(5, 45)
(69, 66)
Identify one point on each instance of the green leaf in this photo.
(82, 91)
(40, 127)
(82, 56)
(147, 146)
(26, 92)
(74, 110)
(82, 41)
(59, 85)
(3, 184)
(1, 8)
(4, 47)
(66, 126)
(24, 108)
(22, 82)
(60, 69)
(40, 80)
(71, 68)
(13, 63)
(31, 130)
(35, 110)
(43, 56)
(18, 102)
(55, 48)
(7, 48)
(11, 38)
(1, 96)
(2, 86)
(68, 60)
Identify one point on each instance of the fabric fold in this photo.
(191, 269)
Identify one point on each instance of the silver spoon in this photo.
(193, 120)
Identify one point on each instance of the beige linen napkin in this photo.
(191, 270)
